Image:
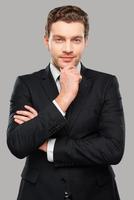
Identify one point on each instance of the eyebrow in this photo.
(77, 36)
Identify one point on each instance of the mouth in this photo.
(67, 58)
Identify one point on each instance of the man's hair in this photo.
(67, 14)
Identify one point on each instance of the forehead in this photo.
(67, 29)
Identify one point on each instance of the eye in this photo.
(77, 40)
(58, 40)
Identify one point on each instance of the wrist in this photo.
(63, 101)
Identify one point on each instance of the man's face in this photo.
(66, 43)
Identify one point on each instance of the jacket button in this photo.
(67, 196)
(63, 180)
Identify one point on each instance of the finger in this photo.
(25, 113)
(41, 147)
(22, 118)
(80, 77)
(32, 110)
(74, 70)
(64, 66)
(67, 67)
(18, 121)
(70, 67)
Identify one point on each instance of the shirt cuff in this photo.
(50, 149)
(58, 107)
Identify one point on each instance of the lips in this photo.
(67, 58)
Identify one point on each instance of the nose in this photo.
(67, 47)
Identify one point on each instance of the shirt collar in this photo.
(55, 72)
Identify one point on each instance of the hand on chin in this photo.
(65, 64)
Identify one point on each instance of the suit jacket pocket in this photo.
(30, 174)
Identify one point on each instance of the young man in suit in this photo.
(67, 120)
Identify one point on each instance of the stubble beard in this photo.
(55, 63)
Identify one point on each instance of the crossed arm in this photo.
(23, 116)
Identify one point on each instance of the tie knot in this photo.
(58, 78)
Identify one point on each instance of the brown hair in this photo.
(67, 14)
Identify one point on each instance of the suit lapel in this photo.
(77, 105)
(49, 84)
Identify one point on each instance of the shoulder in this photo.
(29, 80)
(98, 76)
(102, 80)
(32, 76)
(94, 74)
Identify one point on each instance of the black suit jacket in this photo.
(88, 140)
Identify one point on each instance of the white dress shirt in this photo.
(51, 142)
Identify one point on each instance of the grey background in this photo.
(22, 51)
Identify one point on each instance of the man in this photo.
(67, 120)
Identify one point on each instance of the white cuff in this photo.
(50, 149)
(58, 107)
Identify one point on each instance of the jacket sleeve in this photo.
(23, 139)
(106, 146)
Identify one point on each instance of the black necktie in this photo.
(58, 83)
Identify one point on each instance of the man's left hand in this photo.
(43, 147)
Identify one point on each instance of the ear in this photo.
(46, 40)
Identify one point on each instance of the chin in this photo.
(65, 64)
